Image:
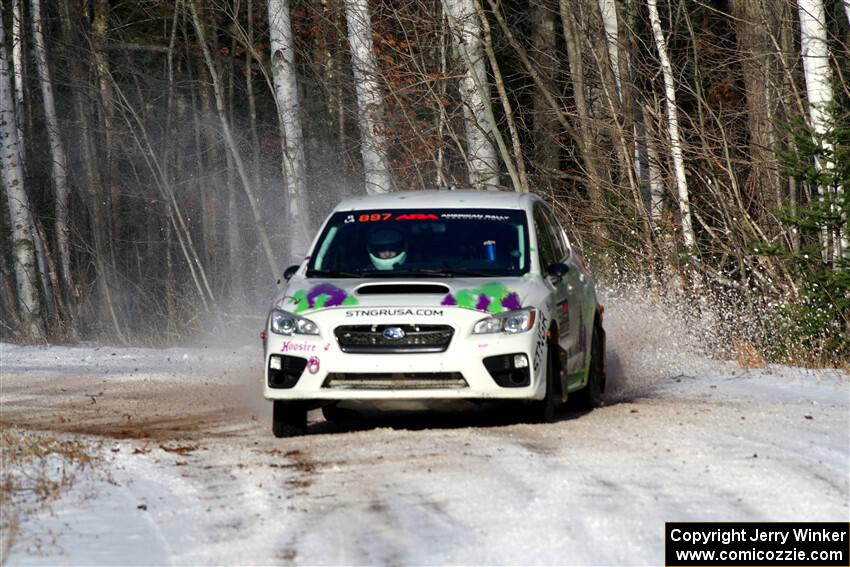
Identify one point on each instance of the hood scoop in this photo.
(402, 289)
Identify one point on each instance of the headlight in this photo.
(285, 323)
(511, 322)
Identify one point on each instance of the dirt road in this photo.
(191, 474)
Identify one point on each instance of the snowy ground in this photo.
(190, 474)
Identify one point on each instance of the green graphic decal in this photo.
(493, 297)
(319, 296)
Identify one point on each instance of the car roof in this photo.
(464, 199)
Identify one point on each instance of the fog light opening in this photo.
(520, 361)
(518, 379)
(275, 363)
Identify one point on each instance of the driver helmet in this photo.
(387, 248)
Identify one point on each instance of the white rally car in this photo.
(435, 295)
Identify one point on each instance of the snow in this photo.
(685, 438)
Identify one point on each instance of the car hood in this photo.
(488, 295)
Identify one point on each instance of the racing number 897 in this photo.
(374, 217)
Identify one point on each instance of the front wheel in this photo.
(591, 396)
(289, 418)
(543, 411)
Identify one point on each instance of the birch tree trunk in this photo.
(289, 117)
(545, 126)
(20, 113)
(370, 102)
(265, 242)
(673, 127)
(656, 183)
(516, 170)
(585, 137)
(815, 54)
(608, 13)
(17, 202)
(474, 92)
(58, 160)
(18, 67)
(605, 51)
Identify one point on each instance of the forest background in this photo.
(163, 161)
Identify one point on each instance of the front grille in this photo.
(371, 339)
(394, 380)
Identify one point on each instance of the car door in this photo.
(569, 292)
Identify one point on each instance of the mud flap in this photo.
(562, 372)
(603, 363)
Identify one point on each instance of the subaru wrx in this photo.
(435, 296)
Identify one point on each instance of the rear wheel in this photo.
(591, 395)
(289, 418)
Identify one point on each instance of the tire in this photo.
(289, 419)
(591, 396)
(543, 411)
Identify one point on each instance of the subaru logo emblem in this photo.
(394, 333)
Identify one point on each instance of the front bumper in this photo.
(318, 369)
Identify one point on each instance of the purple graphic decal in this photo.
(313, 364)
(335, 295)
(511, 302)
(482, 303)
(449, 300)
(319, 296)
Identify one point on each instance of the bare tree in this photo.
(59, 163)
(586, 136)
(370, 102)
(289, 116)
(544, 126)
(673, 127)
(475, 93)
(815, 54)
(218, 91)
(18, 66)
(17, 202)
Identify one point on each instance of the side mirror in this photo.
(557, 269)
(290, 271)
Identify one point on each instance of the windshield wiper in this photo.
(440, 272)
(333, 274)
(471, 273)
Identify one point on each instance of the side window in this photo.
(545, 247)
(557, 234)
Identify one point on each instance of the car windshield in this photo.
(422, 242)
